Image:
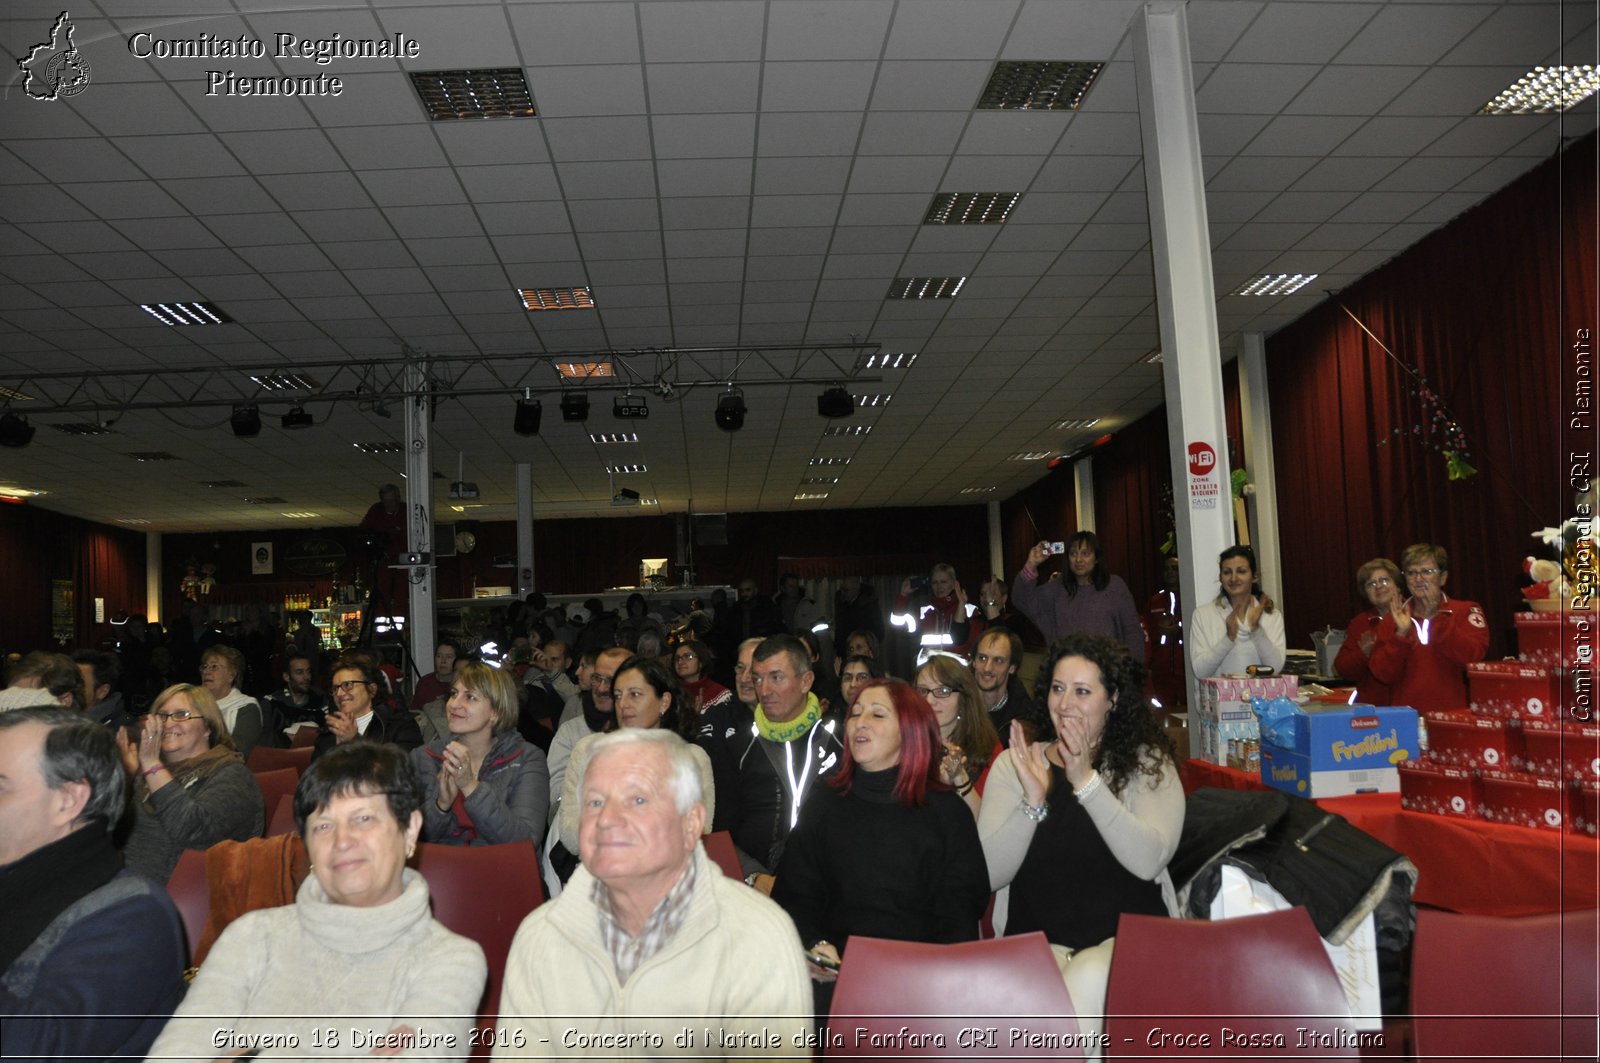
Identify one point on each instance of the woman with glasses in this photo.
(854, 673)
(190, 788)
(485, 783)
(967, 735)
(1087, 598)
(1426, 642)
(693, 660)
(220, 669)
(1378, 581)
(1241, 628)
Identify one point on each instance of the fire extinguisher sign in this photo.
(1205, 480)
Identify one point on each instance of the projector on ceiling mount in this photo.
(625, 496)
(464, 489)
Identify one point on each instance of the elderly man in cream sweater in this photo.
(651, 951)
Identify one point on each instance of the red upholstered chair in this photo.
(973, 987)
(720, 848)
(266, 758)
(1192, 979)
(483, 892)
(281, 819)
(191, 895)
(1488, 987)
(275, 786)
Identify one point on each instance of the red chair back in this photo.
(275, 786)
(1489, 987)
(719, 847)
(266, 758)
(1267, 975)
(191, 895)
(282, 821)
(483, 892)
(960, 991)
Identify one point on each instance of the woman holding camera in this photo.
(1086, 600)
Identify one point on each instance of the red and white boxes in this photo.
(1512, 690)
(1525, 800)
(1561, 750)
(1439, 789)
(1555, 640)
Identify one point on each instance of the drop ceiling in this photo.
(720, 174)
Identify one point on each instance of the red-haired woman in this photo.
(887, 850)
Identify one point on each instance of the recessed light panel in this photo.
(384, 446)
(301, 516)
(925, 287)
(819, 481)
(613, 437)
(1277, 284)
(873, 400)
(1038, 86)
(971, 208)
(619, 470)
(1031, 455)
(151, 455)
(1153, 358)
(585, 370)
(132, 520)
(810, 496)
(847, 430)
(11, 395)
(976, 490)
(494, 93)
(284, 382)
(1546, 90)
(12, 491)
(186, 313)
(896, 360)
(82, 428)
(556, 298)
(830, 461)
(1078, 425)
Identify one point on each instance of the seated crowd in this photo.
(857, 803)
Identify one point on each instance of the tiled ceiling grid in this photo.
(719, 172)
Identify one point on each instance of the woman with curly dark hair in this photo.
(1081, 825)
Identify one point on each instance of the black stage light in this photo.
(297, 417)
(528, 414)
(835, 402)
(246, 422)
(574, 406)
(15, 431)
(731, 410)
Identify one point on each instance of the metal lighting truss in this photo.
(667, 372)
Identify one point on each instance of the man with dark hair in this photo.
(92, 955)
(783, 752)
(101, 699)
(298, 702)
(994, 665)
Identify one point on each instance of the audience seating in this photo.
(719, 847)
(1177, 984)
(483, 892)
(281, 819)
(275, 786)
(947, 989)
(266, 758)
(1487, 987)
(191, 896)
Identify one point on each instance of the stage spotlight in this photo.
(246, 422)
(574, 406)
(297, 417)
(15, 431)
(731, 410)
(528, 414)
(836, 402)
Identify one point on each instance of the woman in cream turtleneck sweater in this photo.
(357, 962)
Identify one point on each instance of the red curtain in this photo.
(1485, 310)
(38, 546)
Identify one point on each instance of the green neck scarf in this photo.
(791, 729)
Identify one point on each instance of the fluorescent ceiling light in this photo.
(500, 92)
(1079, 424)
(585, 370)
(10, 491)
(82, 428)
(186, 313)
(301, 516)
(880, 360)
(847, 430)
(613, 437)
(810, 496)
(280, 381)
(1038, 86)
(1546, 90)
(151, 455)
(385, 446)
(12, 395)
(619, 470)
(977, 490)
(1031, 455)
(1277, 284)
(132, 520)
(819, 481)
(925, 287)
(556, 298)
(830, 461)
(873, 400)
(970, 208)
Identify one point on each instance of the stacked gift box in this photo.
(1512, 755)
(1223, 724)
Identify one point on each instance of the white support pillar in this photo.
(1174, 183)
(419, 516)
(1083, 493)
(997, 555)
(524, 528)
(1255, 407)
(152, 577)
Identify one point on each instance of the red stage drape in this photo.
(37, 546)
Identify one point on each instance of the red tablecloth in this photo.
(1462, 864)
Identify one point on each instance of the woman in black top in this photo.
(886, 849)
